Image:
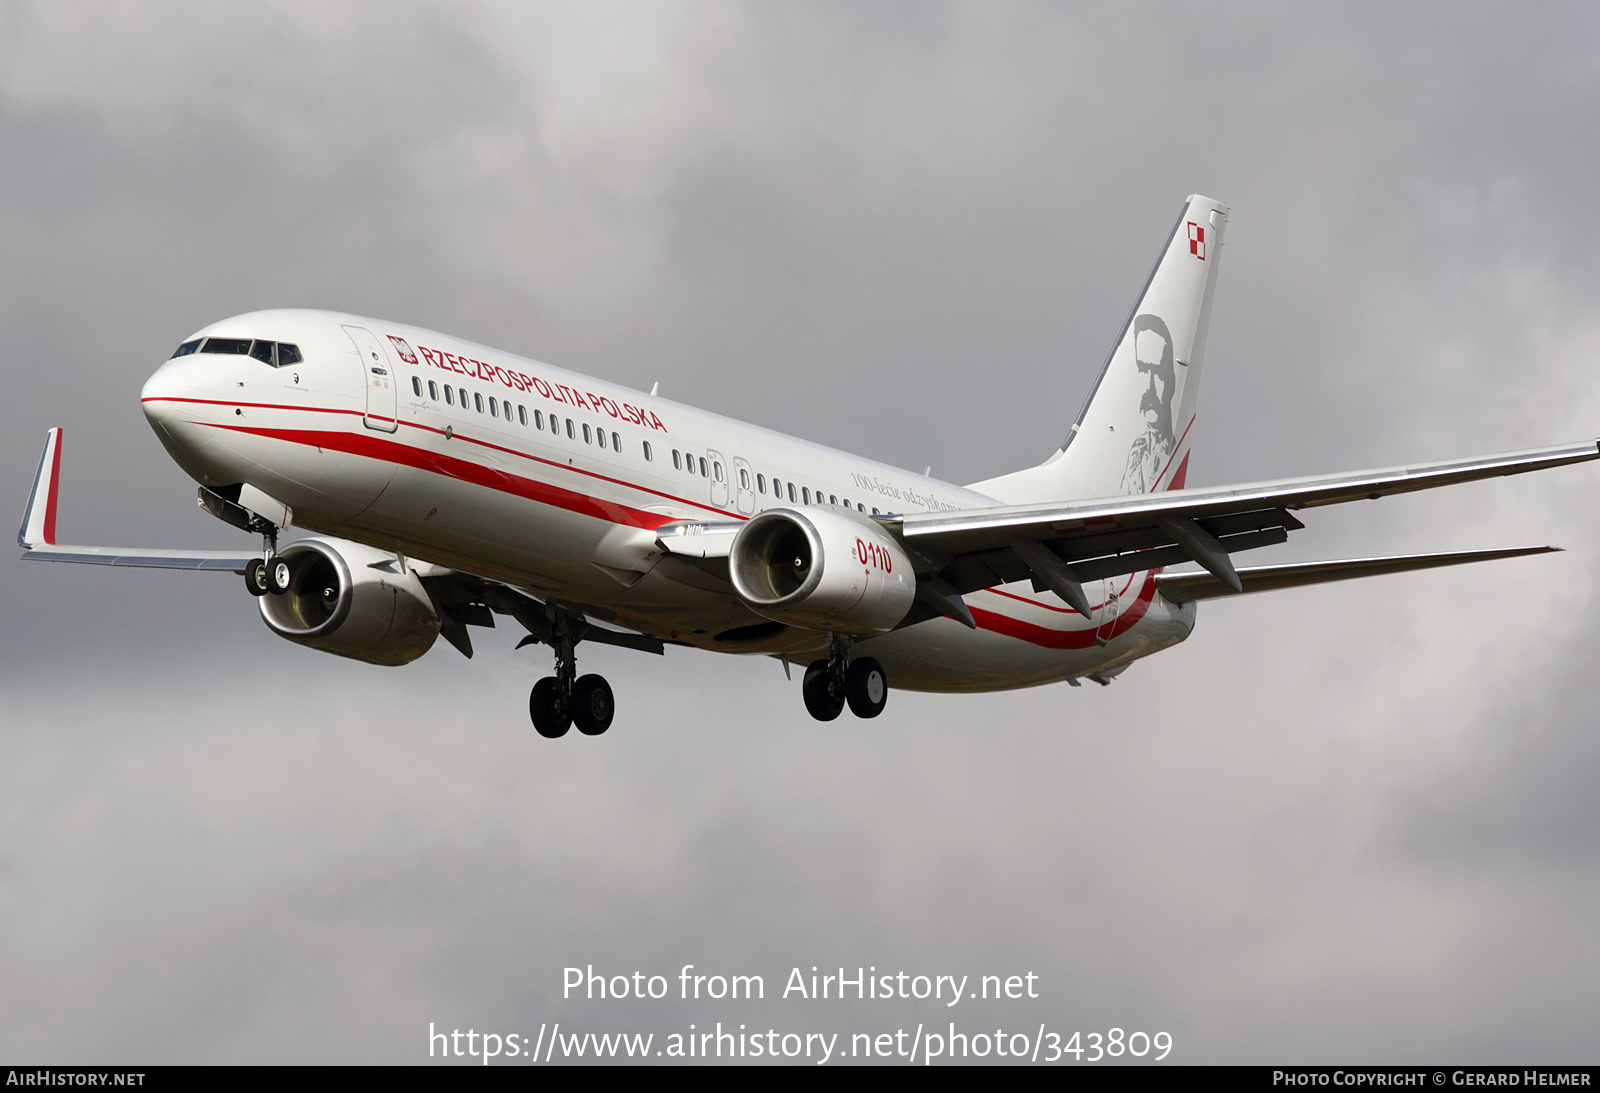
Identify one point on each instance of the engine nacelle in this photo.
(822, 570)
(339, 603)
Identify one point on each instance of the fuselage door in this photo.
(719, 479)
(744, 486)
(378, 376)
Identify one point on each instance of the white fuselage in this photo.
(542, 492)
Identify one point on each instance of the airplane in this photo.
(447, 483)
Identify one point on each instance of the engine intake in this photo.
(338, 603)
(822, 570)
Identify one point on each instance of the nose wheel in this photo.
(267, 576)
(829, 685)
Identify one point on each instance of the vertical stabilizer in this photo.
(1133, 433)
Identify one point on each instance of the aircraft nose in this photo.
(171, 388)
(177, 400)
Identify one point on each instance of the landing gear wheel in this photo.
(866, 687)
(592, 705)
(255, 577)
(549, 708)
(823, 698)
(278, 576)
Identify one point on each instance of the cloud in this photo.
(1336, 824)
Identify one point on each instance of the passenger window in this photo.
(572, 434)
(288, 354)
(449, 400)
(676, 465)
(416, 386)
(647, 455)
(600, 437)
(586, 439)
(462, 392)
(478, 402)
(492, 407)
(832, 500)
(791, 493)
(716, 470)
(538, 419)
(744, 479)
(616, 442)
(860, 507)
(874, 510)
(433, 391)
(703, 473)
(262, 351)
(188, 347)
(805, 495)
(230, 346)
(761, 483)
(555, 424)
(522, 414)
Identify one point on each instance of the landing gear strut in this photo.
(566, 699)
(830, 684)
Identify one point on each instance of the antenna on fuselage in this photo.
(654, 387)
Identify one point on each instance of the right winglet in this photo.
(37, 536)
(39, 521)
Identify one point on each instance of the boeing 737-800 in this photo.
(449, 482)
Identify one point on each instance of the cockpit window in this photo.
(276, 354)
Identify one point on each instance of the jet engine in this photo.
(822, 570)
(354, 601)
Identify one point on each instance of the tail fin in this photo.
(1132, 435)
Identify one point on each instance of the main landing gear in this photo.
(566, 698)
(832, 683)
(268, 574)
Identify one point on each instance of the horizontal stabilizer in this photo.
(1187, 587)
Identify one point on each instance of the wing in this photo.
(37, 536)
(1187, 587)
(462, 599)
(1059, 546)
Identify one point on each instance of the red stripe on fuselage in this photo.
(456, 436)
(393, 451)
(463, 470)
(1050, 638)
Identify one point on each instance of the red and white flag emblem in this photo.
(1197, 241)
(404, 350)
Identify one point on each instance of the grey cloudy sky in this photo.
(1354, 823)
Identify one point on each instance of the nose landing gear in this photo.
(269, 574)
(832, 683)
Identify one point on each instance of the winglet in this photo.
(39, 521)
